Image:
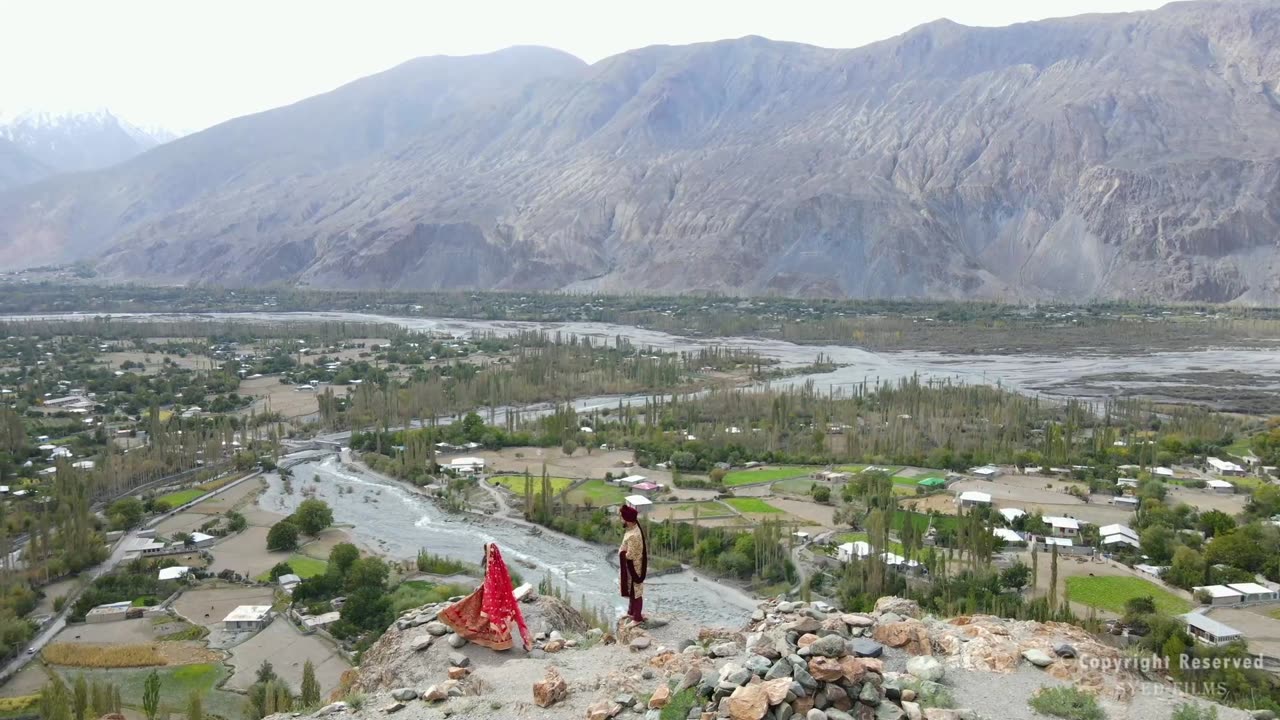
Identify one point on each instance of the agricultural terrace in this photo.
(597, 493)
(176, 686)
(764, 475)
(516, 484)
(302, 566)
(751, 506)
(1111, 593)
(181, 497)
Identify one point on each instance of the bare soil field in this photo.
(321, 546)
(1031, 494)
(207, 606)
(245, 553)
(152, 363)
(1261, 631)
(127, 632)
(1202, 500)
(287, 650)
(271, 395)
(579, 465)
(812, 512)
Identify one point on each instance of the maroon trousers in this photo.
(635, 608)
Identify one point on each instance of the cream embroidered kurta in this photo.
(633, 546)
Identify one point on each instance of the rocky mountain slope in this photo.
(1128, 155)
(788, 661)
(52, 143)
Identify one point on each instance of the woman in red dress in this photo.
(485, 616)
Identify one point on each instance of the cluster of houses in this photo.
(860, 549)
(640, 485)
(148, 545)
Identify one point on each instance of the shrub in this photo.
(1189, 711)
(1067, 702)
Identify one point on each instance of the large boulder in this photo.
(776, 690)
(898, 606)
(551, 689)
(749, 702)
(926, 667)
(908, 635)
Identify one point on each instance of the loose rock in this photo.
(926, 668)
(550, 690)
(404, 694)
(1037, 657)
(436, 628)
(661, 696)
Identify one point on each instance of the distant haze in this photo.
(186, 66)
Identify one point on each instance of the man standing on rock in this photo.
(633, 557)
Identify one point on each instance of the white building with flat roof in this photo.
(466, 465)
(1063, 526)
(1222, 487)
(1011, 514)
(640, 503)
(1254, 593)
(971, 498)
(1219, 594)
(1224, 467)
(248, 618)
(174, 573)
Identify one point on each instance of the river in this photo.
(397, 522)
(1051, 375)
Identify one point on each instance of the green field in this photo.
(515, 483)
(303, 566)
(922, 521)
(762, 475)
(176, 685)
(181, 497)
(1110, 593)
(597, 493)
(751, 505)
(855, 469)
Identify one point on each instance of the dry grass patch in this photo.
(114, 656)
(103, 656)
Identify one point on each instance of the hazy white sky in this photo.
(187, 65)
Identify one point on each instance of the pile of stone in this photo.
(805, 661)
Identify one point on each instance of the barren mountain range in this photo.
(1102, 156)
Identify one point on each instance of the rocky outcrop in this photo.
(1131, 155)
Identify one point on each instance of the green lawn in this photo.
(855, 469)
(181, 497)
(1241, 447)
(597, 492)
(176, 685)
(1110, 593)
(762, 475)
(303, 566)
(515, 483)
(751, 505)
